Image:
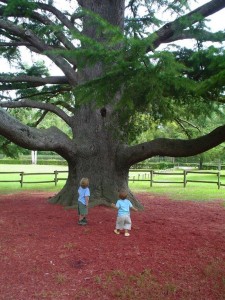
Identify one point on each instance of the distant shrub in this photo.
(153, 165)
(9, 161)
(169, 165)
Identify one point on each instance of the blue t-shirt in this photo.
(123, 207)
(83, 192)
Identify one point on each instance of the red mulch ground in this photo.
(176, 251)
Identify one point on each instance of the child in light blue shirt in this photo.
(83, 200)
(123, 221)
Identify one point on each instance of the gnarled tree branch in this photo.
(40, 105)
(34, 80)
(51, 139)
(29, 36)
(169, 31)
(203, 35)
(64, 20)
(44, 20)
(171, 147)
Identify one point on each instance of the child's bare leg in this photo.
(81, 217)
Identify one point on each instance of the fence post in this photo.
(21, 179)
(218, 175)
(56, 179)
(185, 178)
(151, 177)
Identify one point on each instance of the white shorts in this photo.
(123, 222)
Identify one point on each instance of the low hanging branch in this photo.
(34, 104)
(31, 138)
(34, 80)
(171, 147)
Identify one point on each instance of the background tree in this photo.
(114, 75)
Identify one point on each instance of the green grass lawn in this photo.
(192, 191)
(13, 187)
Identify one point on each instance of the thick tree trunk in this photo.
(105, 182)
(94, 129)
(96, 158)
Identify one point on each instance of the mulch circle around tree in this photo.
(176, 250)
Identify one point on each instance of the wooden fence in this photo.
(23, 175)
(142, 175)
(149, 175)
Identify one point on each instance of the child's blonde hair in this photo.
(84, 182)
(123, 194)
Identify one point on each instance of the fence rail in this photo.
(142, 175)
(149, 175)
(21, 180)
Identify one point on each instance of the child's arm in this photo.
(113, 205)
(87, 200)
(134, 208)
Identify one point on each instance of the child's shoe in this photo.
(81, 222)
(84, 220)
(126, 234)
(116, 231)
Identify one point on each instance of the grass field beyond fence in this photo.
(203, 186)
(199, 186)
(6, 187)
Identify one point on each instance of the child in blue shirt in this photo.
(83, 200)
(123, 221)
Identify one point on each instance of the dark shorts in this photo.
(82, 209)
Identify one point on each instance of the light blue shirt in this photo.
(83, 192)
(123, 207)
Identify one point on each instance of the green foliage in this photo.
(149, 165)
(25, 161)
(37, 69)
(206, 67)
(53, 120)
(9, 53)
(163, 85)
(104, 49)
(6, 147)
(139, 22)
(9, 149)
(155, 88)
(17, 6)
(47, 33)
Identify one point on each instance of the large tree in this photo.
(114, 70)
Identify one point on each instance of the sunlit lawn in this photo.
(193, 190)
(9, 187)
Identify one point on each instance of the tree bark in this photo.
(95, 138)
(105, 182)
(96, 158)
